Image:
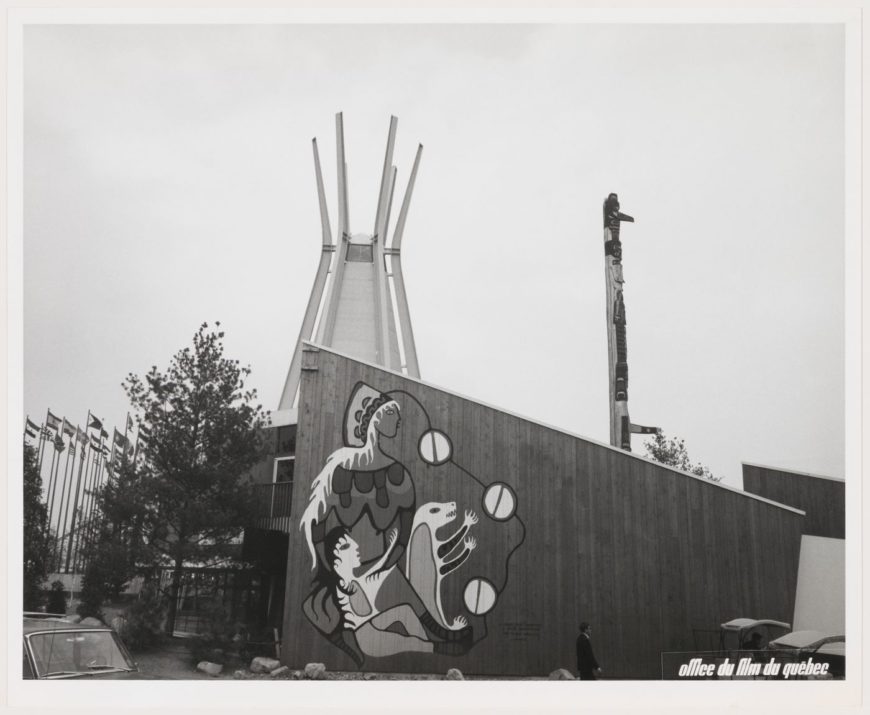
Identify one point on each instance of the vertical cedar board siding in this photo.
(824, 500)
(644, 553)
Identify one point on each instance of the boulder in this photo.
(455, 674)
(212, 669)
(297, 675)
(281, 672)
(370, 676)
(261, 664)
(241, 675)
(315, 671)
(561, 674)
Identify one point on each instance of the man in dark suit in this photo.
(587, 666)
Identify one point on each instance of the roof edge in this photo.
(793, 471)
(561, 430)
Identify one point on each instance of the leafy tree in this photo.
(673, 453)
(37, 539)
(205, 437)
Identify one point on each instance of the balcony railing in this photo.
(273, 502)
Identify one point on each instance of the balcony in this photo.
(273, 502)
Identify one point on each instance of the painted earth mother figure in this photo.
(372, 498)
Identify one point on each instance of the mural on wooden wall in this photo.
(410, 550)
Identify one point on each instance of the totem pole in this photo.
(617, 358)
(617, 349)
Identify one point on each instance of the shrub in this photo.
(224, 638)
(145, 618)
(107, 574)
(56, 598)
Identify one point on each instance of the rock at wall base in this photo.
(562, 674)
(261, 664)
(212, 669)
(315, 671)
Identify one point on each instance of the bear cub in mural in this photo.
(429, 559)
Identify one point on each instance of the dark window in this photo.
(287, 439)
(284, 469)
(359, 253)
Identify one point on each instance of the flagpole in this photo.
(42, 444)
(83, 540)
(101, 464)
(49, 484)
(31, 429)
(78, 539)
(85, 448)
(65, 507)
(126, 443)
(72, 528)
(93, 481)
(55, 466)
(41, 449)
(52, 486)
(88, 509)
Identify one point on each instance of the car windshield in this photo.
(77, 652)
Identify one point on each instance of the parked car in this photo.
(821, 647)
(56, 648)
(749, 633)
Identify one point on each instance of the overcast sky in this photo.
(168, 180)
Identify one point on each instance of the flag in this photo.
(58, 443)
(104, 434)
(81, 436)
(68, 428)
(95, 423)
(32, 426)
(52, 422)
(144, 430)
(129, 422)
(94, 443)
(29, 432)
(119, 438)
(641, 429)
(46, 433)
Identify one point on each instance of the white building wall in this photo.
(820, 599)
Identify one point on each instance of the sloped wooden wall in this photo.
(644, 553)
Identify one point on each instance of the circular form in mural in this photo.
(499, 501)
(479, 596)
(435, 447)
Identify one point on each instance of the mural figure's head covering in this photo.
(363, 403)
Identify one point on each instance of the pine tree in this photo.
(191, 491)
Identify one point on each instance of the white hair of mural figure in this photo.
(358, 454)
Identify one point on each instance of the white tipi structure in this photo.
(364, 311)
